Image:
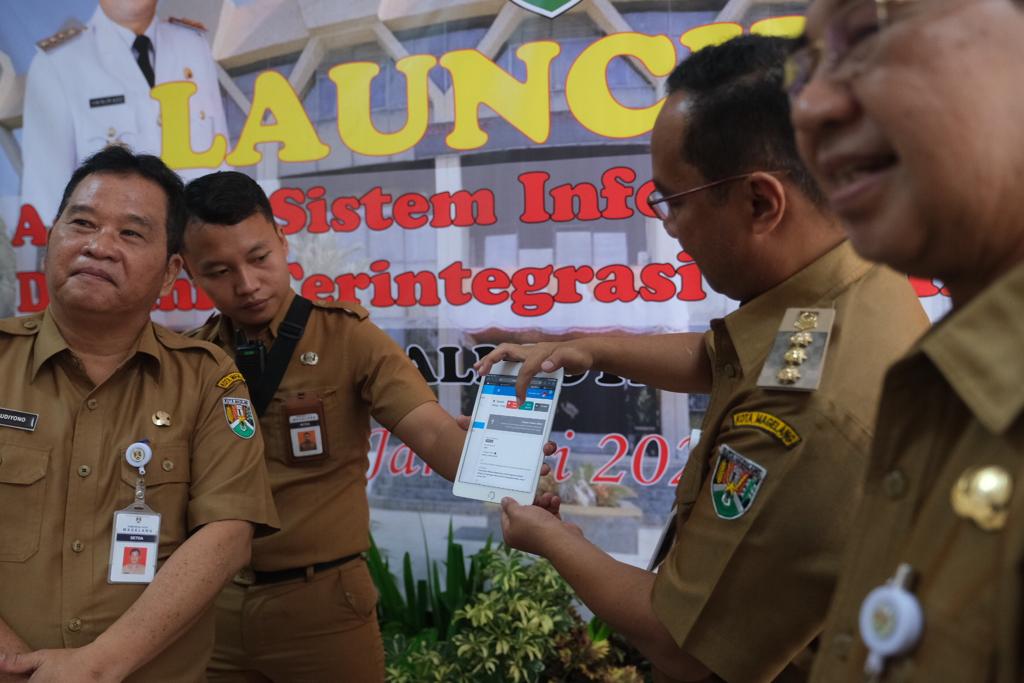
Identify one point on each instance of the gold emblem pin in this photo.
(801, 339)
(795, 356)
(788, 375)
(162, 418)
(309, 358)
(188, 73)
(982, 494)
(807, 320)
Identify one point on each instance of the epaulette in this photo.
(349, 307)
(207, 331)
(179, 342)
(797, 358)
(22, 325)
(188, 23)
(70, 30)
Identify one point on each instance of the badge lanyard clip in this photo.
(135, 538)
(891, 621)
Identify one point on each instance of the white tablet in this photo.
(504, 449)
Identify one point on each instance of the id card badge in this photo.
(135, 541)
(305, 426)
(135, 544)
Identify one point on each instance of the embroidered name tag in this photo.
(18, 419)
(106, 101)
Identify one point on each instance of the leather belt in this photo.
(250, 577)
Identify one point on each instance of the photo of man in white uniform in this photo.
(89, 86)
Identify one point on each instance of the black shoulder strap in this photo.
(288, 335)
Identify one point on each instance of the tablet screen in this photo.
(507, 436)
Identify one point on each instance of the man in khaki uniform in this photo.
(762, 511)
(920, 148)
(306, 610)
(86, 384)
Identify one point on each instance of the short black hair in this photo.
(226, 198)
(119, 160)
(738, 120)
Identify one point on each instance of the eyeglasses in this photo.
(662, 205)
(844, 50)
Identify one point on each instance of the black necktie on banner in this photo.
(142, 46)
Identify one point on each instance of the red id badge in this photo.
(306, 429)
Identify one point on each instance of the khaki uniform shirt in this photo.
(955, 402)
(61, 483)
(745, 595)
(360, 372)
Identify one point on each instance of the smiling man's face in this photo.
(920, 149)
(107, 251)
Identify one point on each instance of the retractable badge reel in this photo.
(891, 621)
(136, 535)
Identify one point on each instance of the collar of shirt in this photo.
(978, 351)
(226, 329)
(105, 24)
(753, 325)
(49, 342)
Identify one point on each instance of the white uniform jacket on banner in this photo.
(88, 91)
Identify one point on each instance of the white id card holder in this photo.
(135, 540)
(134, 545)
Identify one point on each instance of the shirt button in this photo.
(30, 324)
(167, 465)
(729, 370)
(84, 471)
(92, 403)
(78, 546)
(894, 484)
(75, 625)
(842, 643)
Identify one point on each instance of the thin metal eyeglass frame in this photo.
(664, 215)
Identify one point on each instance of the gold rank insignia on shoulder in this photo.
(67, 32)
(188, 23)
(797, 357)
(982, 495)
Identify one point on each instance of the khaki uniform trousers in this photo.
(320, 630)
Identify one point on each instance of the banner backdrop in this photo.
(471, 171)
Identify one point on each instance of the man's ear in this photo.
(171, 272)
(281, 236)
(767, 196)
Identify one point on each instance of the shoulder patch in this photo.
(230, 379)
(22, 326)
(188, 23)
(70, 30)
(735, 483)
(350, 307)
(240, 416)
(776, 426)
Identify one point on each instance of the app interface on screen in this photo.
(506, 436)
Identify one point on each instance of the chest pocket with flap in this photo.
(22, 491)
(168, 485)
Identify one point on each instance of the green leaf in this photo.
(412, 618)
(391, 606)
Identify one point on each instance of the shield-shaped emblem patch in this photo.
(547, 8)
(240, 416)
(735, 483)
